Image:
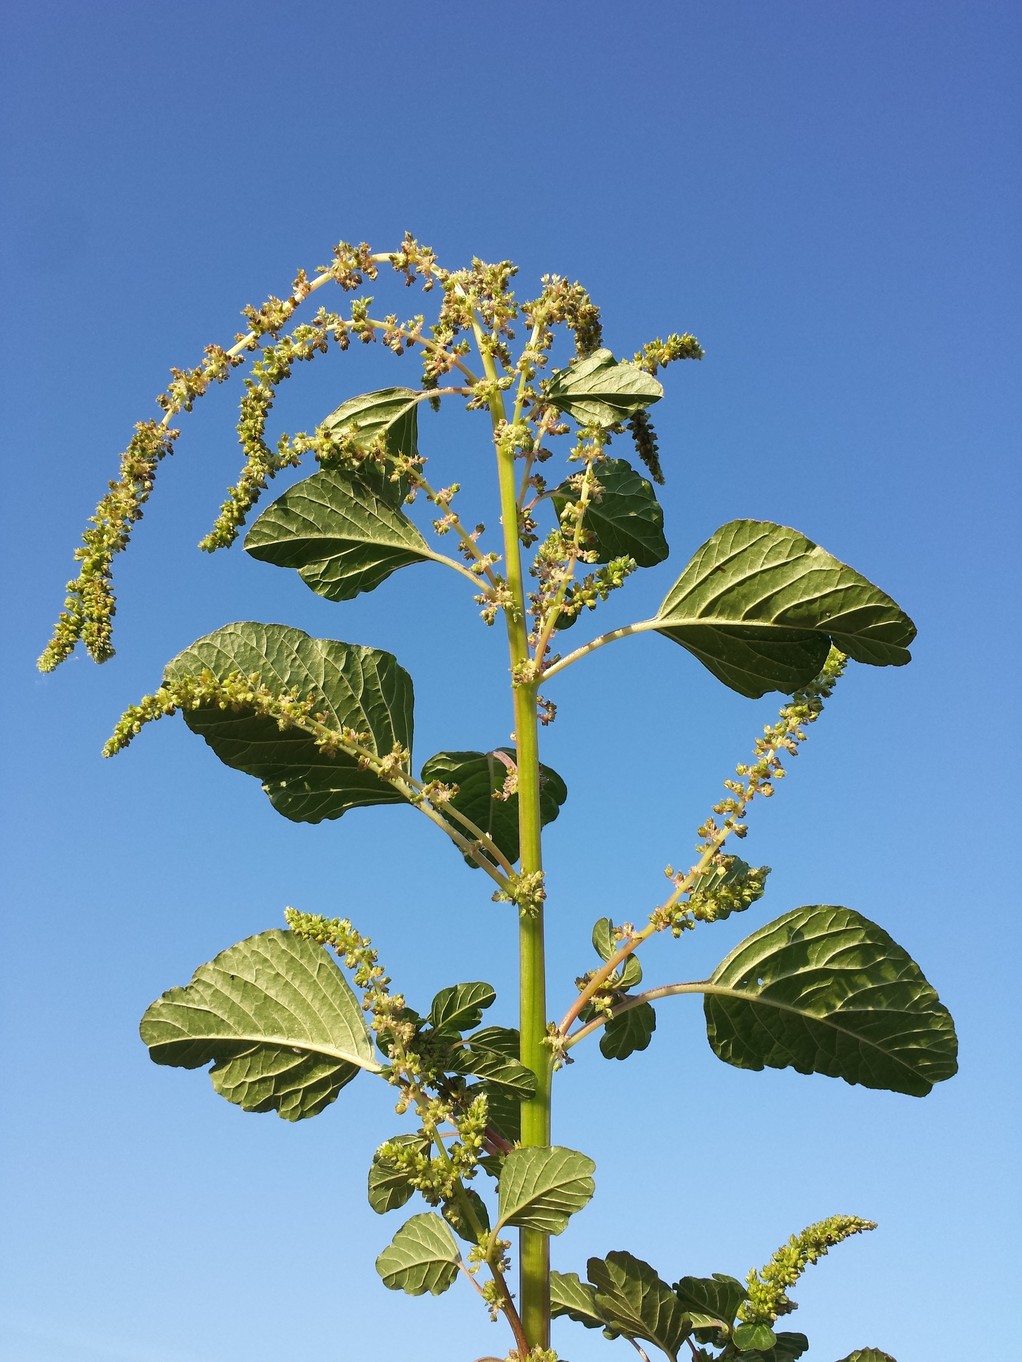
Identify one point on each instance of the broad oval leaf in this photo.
(626, 519)
(824, 990)
(421, 1257)
(709, 1301)
(601, 390)
(461, 1006)
(628, 1032)
(635, 1301)
(276, 1018)
(480, 777)
(342, 533)
(540, 1189)
(760, 604)
(390, 415)
(353, 687)
(576, 1299)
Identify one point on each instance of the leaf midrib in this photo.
(280, 1042)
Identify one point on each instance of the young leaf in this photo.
(353, 687)
(480, 777)
(634, 1300)
(275, 1016)
(421, 1257)
(504, 1111)
(495, 1068)
(868, 1355)
(787, 1348)
(600, 390)
(625, 520)
(343, 534)
(628, 1032)
(759, 605)
(389, 1187)
(824, 990)
(606, 944)
(390, 415)
(577, 1300)
(709, 1301)
(460, 1007)
(454, 1214)
(492, 1054)
(758, 1337)
(541, 1188)
(504, 1039)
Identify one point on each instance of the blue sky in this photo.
(828, 197)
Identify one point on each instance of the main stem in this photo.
(534, 1265)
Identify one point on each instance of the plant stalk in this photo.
(534, 1265)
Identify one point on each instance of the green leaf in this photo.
(276, 1018)
(541, 1188)
(728, 886)
(606, 944)
(353, 687)
(455, 1216)
(496, 1068)
(747, 1337)
(787, 1348)
(389, 1187)
(497, 1048)
(625, 520)
(600, 390)
(628, 1032)
(634, 1300)
(504, 1112)
(343, 534)
(868, 1355)
(577, 1300)
(480, 776)
(709, 1301)
(824, 990)
(421, 1257)
(390, 415)
(504, 1039)
(759, 605)
(460, 1007)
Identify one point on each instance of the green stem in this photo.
(534, 1267)
(595, 643)
(636, 1000)
(461, 1196)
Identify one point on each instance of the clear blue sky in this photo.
(828, 196)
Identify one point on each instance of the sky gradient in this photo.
(828, 197)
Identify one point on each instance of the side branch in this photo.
(636, 1000)
(290, 710)
(595, 643)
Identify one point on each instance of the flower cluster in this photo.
(90, 606)
(779, 739)
(527, 891)
(768, 1298)
(727, 886)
